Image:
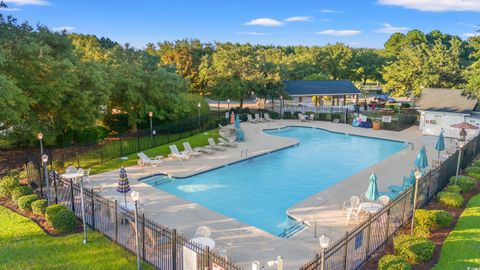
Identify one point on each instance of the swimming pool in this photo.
(260, 190)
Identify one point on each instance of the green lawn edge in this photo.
(461, 250)
(24, 245)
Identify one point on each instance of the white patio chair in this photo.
(190, 151)
(213, 145)
(251, 120)
(258, 118)
(267, 117)
(202, 231)
(71, 169)
(226, 143)
(144, 160)
(198, 149)
(383, 200)
(352, 203)
(353, 214)
(312, 117)
(302, 117)
(175, 154)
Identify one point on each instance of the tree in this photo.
(394, 45)
(367, 65)
(336, 61)
(472, 73)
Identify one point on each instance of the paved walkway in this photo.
(247, 243)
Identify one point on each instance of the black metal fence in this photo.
(123, 145)
(160, 246)
(354, 249)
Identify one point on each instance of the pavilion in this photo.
(337, 91)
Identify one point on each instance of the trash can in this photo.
(376, 125)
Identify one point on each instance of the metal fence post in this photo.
(174, 249)
(387, 229)
(93, 209)
(207, 257)
(143, 236)
(367, 255)
(116, 221)
(345, 255)
(72, 196)
(403, 211)
(55, 177)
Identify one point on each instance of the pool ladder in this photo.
(244, 152)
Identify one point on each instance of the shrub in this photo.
(392, 262)
(25, 202)
(450, 199)
(474, 171)
(287, 115)
(413, 249)
(476, 163)
(39, 206)
(465, 183)
(453, 188)
(21, 191)
(64, 221)
(51, 210)
(7, 184)
(428, 220)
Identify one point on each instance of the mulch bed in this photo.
(438, 236)
(39, 219)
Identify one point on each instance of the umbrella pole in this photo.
(125, 196)
(438, 154)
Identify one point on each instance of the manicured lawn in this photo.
(24, 245)
(461, 249)
(195, 140)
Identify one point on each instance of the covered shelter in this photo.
(441, 108)
(319, 91)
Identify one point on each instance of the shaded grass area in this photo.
(461, 249)
(24, 245)
(195, 140)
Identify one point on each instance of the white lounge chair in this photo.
(144, 160)
(353, 213)
(205, 150)
(352, 203)
(250, 119)
(258, 118)
(226, 143)
(383, 200)
(267, 117)
(213, 145)
(302, 117)
(190, 151)
(312, 117)
(175, 154)
(202, 231)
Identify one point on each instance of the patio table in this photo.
(204, 242)
(71, 175)
(370, 207)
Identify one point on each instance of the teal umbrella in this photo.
(372, 191)
(237, 122)
(440, 146)
(421, 161)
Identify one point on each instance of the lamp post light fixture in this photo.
(278, 262)
(135, 197)
(150, 114)
(228, 104)
(323, 241)
(199, 105)
(45, 174)
(40, 138)
(82, 202)
(418, 175)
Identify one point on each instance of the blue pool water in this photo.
(259, 191)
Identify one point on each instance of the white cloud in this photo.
(64, 28)
(469, 35)
(28, 2)
(9, 9)
(469, 24)
(327, 11)
(264, 22)
(333, 32)
(390, 29)
(252, 33)
(435, 5)
(299, 19)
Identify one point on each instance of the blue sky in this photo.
(359, 23)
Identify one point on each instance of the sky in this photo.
(358, 23)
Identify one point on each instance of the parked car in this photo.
(384, 98)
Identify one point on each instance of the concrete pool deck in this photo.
(245, 242)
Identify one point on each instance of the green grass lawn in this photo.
(195, 140)
(462, 247)
(24, 245)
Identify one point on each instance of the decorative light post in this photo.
(82, 201)
(135, 197)
(40, 138)
(228, 104)
(45, 174)
(199, 105)
(278, 262)
(150, 114)
(460, 147)
(281, 106)
(418, 175)
(323, 241)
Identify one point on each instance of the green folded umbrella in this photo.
(372, 191)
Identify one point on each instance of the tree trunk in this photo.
(241, 103)
(133, 122)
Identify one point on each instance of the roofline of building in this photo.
(313, 95)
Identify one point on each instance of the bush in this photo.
(453, 188)
(428, 220)
(51, 210)
(413, 249)
(450, 199)
(7, 184)
(287, 115)
(21, 191)
(476, 163)
(465, 183)
(64, 221)
(474, 171)
(39, 206)
(25, 202)
(392, 262)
